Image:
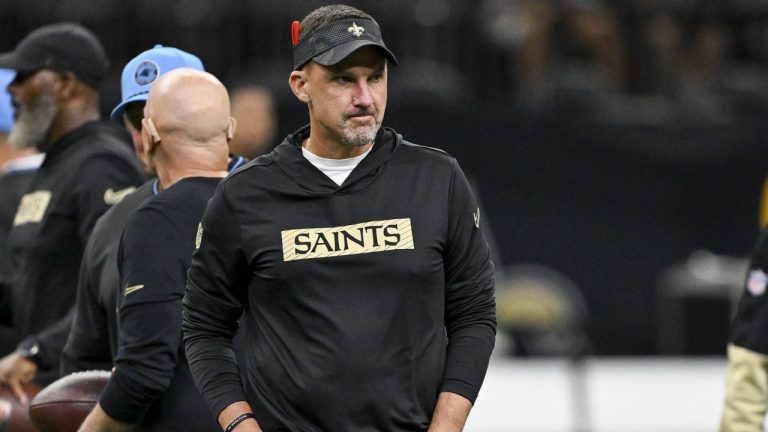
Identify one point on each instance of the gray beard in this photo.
(358, 137)
(31, 127)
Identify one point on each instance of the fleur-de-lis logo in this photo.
(356, 30)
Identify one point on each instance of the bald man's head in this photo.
(188, 107)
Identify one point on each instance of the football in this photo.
(14, 417)
(63, 405)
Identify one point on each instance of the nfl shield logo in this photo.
(756, 282)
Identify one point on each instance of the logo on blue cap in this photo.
(146, 73)
(140, 74)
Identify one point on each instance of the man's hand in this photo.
(16, 370)
(99, 421)
(232, 411)
(450, 414)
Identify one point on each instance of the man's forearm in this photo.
(99, 421)
(52, 340)
(451, 413)
(235, 410)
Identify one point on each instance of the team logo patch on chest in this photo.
(32, 208)
(362, 238)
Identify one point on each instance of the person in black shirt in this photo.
(17, 167)
(91, 339)
(185, 132)
(89, 166)
(357, 257)
(746, 393)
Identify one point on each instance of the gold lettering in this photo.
(374, 234)
(391, 233)
(304, 243)
(358, 241)
(362, 238)
(321, 240)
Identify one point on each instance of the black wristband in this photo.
(29, 348)
(239, 419)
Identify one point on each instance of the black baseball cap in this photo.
(334, 41)
(63, 47)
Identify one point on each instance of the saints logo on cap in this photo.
(146, 73)
(356, 30)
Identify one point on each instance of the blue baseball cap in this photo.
(6, 107)
(141, 73)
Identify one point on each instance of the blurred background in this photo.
(618, 147)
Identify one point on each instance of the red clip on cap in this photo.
(295, 28)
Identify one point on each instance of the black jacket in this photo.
(362, 301)
(92, 339)
(83, 174)
(151, 382)
(92, 327)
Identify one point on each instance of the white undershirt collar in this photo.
(336, 169)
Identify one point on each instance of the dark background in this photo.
(607, 140)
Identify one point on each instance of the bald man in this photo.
(186, 129)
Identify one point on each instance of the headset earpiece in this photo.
(153, 131)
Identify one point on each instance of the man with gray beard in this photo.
(89, 165)
(34, 119)
(17, 167)
(357, 258)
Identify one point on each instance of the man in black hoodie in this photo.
(357, 257)
(89, 166)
